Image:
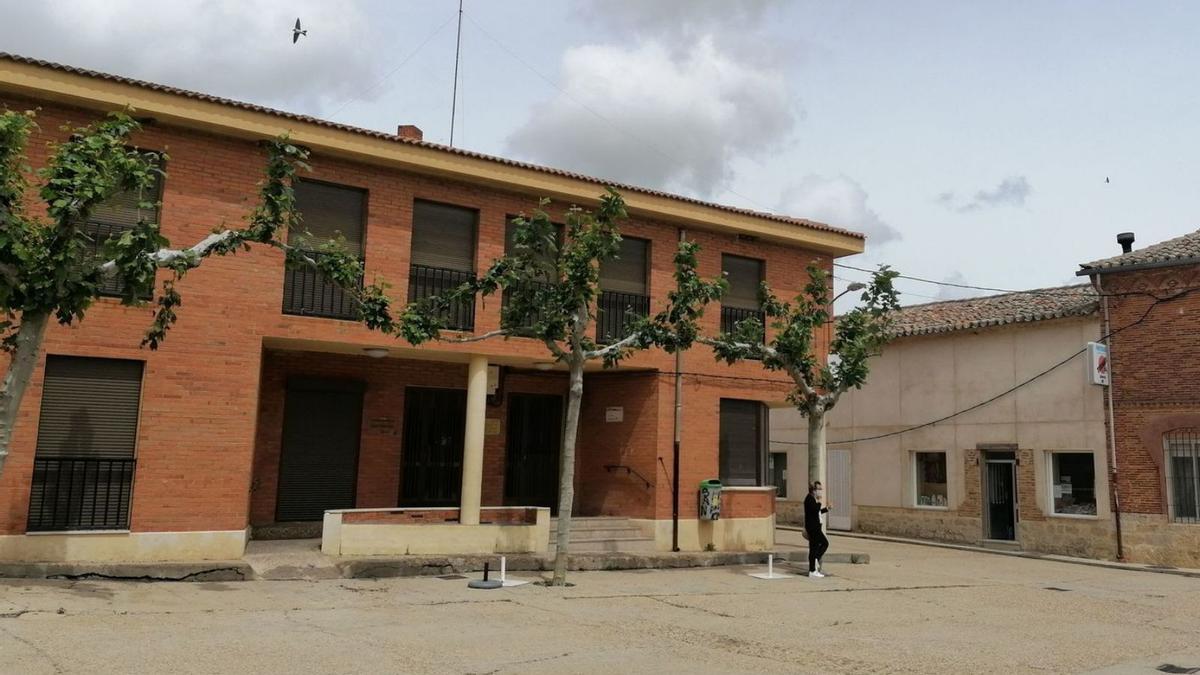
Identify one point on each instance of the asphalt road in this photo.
(913, 609)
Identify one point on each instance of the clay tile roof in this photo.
(801, 222)
(1180, 249)
(995, 310)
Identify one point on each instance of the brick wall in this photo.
(1155, 374)
(201, 395)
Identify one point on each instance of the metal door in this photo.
(839, 489)
(434, 426)
(1000, 495)
(318, 463)
(532, 450)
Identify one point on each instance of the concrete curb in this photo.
(1030, 555)
(227, 570)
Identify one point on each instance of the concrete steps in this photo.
(603, 535)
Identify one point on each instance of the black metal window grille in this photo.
(425, 281)
(306, 292)
(614, 311)
(80, 493)
(1182, 449)
(732, 316)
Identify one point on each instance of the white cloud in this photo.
(641, 115)
(955, 292)
(837, 201)
(1012, 191)
(230, 48)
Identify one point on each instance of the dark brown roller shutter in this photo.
(122, 209)
(318, 466)
(744, 275)
(627, 272)
(742, 447)
(443, 236)
(327, 211)
(89, 408)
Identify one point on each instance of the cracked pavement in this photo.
(913, 609)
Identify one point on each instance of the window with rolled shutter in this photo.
(327, 211)
(86, 441)
(742, 442)
(510, 231)
(443, 236)
(626, 273)
(744, 276)
(117, 214)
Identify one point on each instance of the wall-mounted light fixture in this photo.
(376, 352)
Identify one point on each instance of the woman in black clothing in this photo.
(817, 543)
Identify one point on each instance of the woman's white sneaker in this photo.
(815, 575)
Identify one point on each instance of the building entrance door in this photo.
(318, 462)
(1000, 496)
(532, 450)
(840, 494)
(434, 425)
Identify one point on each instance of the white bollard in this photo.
(503, 576)
(770, 566)
(770, 573)
(504, 580)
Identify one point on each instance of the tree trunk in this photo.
(20, 370)
(816, 449)
(566, 480)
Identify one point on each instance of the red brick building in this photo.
(268, 403)
(1151, 304)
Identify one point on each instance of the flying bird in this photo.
(296, 32)
(1106, 179)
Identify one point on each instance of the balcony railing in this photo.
(732, 316)
(100, 233)
(425, 281)
(613, 312)
(307, 292)
(80, 493)
(533, 317)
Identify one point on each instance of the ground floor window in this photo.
(1073, 483)
(1182, 449)
(930, 478)
(743, 448)
(87, 429)
(777, 469)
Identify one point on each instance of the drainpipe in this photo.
(1112, 430)
(675, 449)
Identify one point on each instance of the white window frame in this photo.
(914, 482)
(1050, 485)
(1194, 519)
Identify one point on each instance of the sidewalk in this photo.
(1091, 562)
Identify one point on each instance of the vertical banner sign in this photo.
(1098, 363)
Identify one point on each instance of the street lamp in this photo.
(854, 286)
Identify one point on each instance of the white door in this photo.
(838, 489)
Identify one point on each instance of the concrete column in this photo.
(472, 467)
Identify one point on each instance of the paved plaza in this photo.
(913, 609)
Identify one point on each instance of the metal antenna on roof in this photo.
(457, 51)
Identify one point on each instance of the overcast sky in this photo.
(970, 141)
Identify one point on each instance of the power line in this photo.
(1039, 291)
(457, 52)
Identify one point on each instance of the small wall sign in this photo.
(491, 426)
(1098, 363)
(614, 413)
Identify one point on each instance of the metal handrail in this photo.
(629, 470)
(306, 292)
(732, 316)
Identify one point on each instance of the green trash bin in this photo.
(710, 499)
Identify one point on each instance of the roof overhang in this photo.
(1158, 264)
(227, 119)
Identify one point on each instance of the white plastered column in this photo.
(472, 467)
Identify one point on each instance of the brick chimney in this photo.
(410, 131)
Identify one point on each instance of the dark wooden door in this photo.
(318, 463)
(531, 455)
(434, 424)
(1001, 495)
